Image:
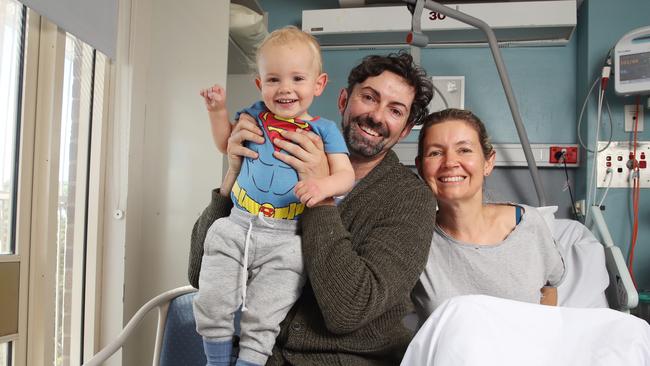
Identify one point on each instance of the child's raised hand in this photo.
(309, 192)
(214, 98)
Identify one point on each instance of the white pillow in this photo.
(586, 275)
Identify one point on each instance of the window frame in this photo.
(36, 201)
(42, 269)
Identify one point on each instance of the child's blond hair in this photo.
(289, 34)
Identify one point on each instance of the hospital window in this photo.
(51, 91)
(75, 112)
(11, 39)
(12, 29)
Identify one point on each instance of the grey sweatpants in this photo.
(275, 279)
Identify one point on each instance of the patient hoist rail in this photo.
(417, 38)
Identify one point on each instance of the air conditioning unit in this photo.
(514, 23)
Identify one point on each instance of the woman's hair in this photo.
(452, 114)
(401, 64)
(290, 34)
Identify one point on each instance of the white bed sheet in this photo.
(484, 330)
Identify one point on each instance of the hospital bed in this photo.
(485, 330)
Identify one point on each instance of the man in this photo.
(363, 256)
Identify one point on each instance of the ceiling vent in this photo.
(527, 23)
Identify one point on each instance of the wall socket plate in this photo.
(616, 157)
(630, 111)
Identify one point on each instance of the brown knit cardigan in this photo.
(362, 259)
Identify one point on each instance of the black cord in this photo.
(568, 184)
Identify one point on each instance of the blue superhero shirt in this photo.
(266, 184)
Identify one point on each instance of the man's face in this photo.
(375, 114)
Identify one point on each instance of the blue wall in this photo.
(550, 84)
(545, 92)
(601, 24)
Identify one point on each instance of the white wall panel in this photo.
(162, 160)
(188, 49)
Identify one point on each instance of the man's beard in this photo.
(357, 141)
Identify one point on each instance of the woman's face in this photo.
(452, 161)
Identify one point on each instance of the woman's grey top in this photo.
(516, 268)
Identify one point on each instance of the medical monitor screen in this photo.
(635, 67)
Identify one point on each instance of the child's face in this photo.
(289, 79)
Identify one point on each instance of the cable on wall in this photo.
(562, 158)
(609, 174)
(636, 192)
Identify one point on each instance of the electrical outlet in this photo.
(570, 154)
(615, 164)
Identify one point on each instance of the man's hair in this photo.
(402, 65)
(290, 34)
(452, 114)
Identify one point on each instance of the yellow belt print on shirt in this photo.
(250, 205)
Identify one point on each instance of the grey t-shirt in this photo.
(516, 268)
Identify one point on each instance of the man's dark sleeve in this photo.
(219, 206)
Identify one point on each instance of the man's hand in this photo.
(306, 154)
(214, 98)
(245, 130)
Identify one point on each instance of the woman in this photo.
(506, 251)
(499, 249)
